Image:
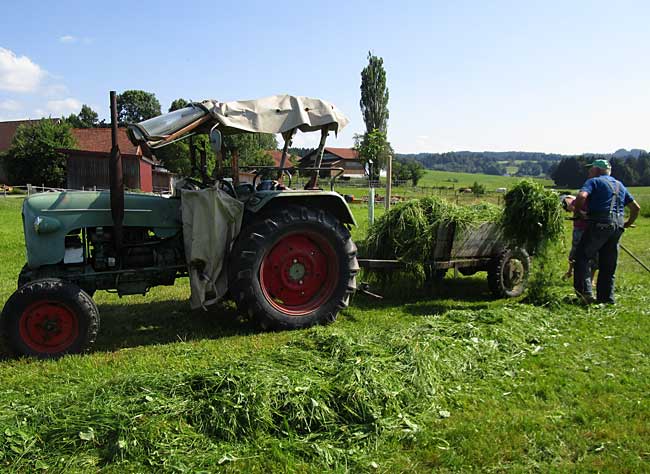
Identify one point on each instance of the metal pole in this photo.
(116, 179)
(371, 205)
(389, 179)
(371, 195)
(634, 257)
(313, 181)
(285, 149)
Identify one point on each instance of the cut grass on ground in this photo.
(444, 380)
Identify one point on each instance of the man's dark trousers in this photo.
(601, 239)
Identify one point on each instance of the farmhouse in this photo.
(87, 166)
(346, 158)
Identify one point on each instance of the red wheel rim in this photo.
(48, 327)
(299, 273)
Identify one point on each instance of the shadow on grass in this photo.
(450, 293)
(162, 322)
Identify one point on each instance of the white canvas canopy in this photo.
(278, 114)
(275, 114)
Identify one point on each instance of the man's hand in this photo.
(579, 202)
(634, 213)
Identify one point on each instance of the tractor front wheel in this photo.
(49, 318)
(295, 268)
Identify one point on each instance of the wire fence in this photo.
(25, 190)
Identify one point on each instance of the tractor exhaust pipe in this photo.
(116, 179)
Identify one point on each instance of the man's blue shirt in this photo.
(600, 195)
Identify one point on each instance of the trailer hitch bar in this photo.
(365, 289)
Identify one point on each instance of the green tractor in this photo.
(286, 258)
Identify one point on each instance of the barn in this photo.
(346, 158)
(88, 165)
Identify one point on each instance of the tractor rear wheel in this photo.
(294, 268)
(508, 273)
(49, 318)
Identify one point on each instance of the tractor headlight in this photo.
(46, 225)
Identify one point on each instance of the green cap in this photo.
(602, 164)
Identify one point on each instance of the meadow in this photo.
(442, 379)
(437, 183)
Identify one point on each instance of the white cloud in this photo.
(10, 105)
(11, 109)
(18, 73)
(59, 108)
(71, 39)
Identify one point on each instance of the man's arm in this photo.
(579, 202)
(634, 213)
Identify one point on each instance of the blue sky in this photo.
(568, 77)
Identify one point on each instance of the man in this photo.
(605, 217)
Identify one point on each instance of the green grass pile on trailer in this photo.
(409, 232)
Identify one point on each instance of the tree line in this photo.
(461, 162)
(571, 172)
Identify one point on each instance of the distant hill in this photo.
(488, 162)
(496, 162)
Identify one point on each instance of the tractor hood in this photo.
(49, 217)
(275, 114)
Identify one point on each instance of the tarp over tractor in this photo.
(276, 114)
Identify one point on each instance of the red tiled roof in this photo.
(343, 153)
(88, 139)
(99, 140)
(8, 130)
(277, 157)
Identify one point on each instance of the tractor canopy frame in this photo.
(283, 114)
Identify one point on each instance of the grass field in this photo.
(438, 380)
(439, 179)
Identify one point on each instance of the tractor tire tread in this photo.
(255, 237)
(54, 288)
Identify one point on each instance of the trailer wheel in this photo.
(508, 273)
(294, 268)
(49, 318)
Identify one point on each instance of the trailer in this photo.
(469, 251)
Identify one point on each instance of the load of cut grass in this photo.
(410, 231)
(531, 215)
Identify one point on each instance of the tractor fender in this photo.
(329, 201)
